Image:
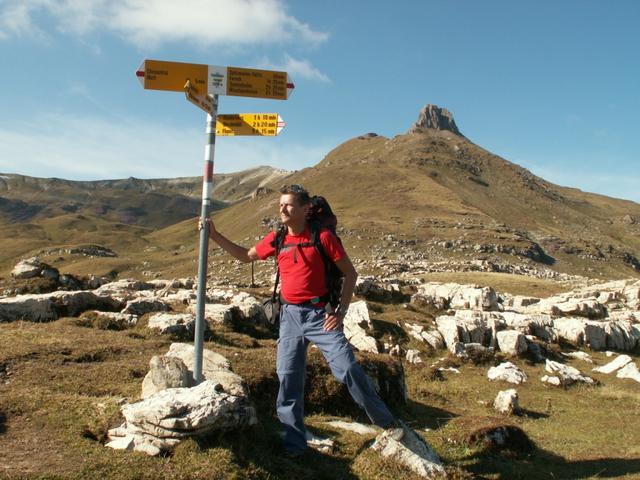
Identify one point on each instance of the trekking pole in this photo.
(207, 192)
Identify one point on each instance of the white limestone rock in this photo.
(177, 413)
(165, 372)
(621, 335)
(215, 367)
(413, 356)
(35, 308)
(27, 268)
(614, 365)
(563, 306)
(511, 342)
(356, 323)
(182, 324)
(50, 306)
(140, 306)
(355, 427)
(567, 374)
(433, 338)
(630, 370)
(551, 380)
(507, 372)
(506, 402)
(584, 356)
(470, 329)
(219, 313)
(582, 332)
(455, 296)
(411, 451)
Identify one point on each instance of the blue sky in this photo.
(550, 85)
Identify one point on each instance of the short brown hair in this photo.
(298, 191)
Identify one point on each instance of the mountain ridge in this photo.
(438, 194)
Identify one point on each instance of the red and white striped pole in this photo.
(207, 193)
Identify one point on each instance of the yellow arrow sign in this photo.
(214, 80)
(265, 124)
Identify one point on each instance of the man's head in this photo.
(294, 205)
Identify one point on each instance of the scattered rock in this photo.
(140, 306)
(507, 402)
(178, 324)
(411, 451)
(507, 372)
(614, 365)
(630, 370)
(413, 356)
(567, 374)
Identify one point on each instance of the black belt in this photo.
(312, 302)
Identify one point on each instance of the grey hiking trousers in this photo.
(300, 325)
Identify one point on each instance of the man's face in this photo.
(291, 213)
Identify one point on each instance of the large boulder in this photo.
(28, 268)
(159, 422)
(511, 342)
(50, 306)
(581, 332)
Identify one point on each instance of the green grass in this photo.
(61, 384)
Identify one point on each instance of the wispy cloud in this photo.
(613, 184)
(145, 22)
(85, 148)
(297, 68)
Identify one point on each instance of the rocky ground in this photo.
(411, 335)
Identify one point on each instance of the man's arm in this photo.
(239, 252)
(334, 320)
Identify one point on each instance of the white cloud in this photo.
(88, 148)
(144, 22)
(297, 69)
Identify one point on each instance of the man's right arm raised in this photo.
(239, 252)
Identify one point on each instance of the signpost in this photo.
(264, 124)
(215, 80)
(201, 85)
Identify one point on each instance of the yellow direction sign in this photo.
(215, 80)
(265, 124)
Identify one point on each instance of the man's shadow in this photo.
(541, 463)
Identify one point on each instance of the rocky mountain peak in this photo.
(432, 116)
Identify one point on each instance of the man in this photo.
(305, 317)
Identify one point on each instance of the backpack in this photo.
(320, 217)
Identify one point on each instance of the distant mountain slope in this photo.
(153, 203)
(426, 197)
(452, 199)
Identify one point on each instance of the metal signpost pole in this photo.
(207, 191)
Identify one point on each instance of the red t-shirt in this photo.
(302, 268)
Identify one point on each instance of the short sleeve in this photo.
(332, 246)
(264, 247)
